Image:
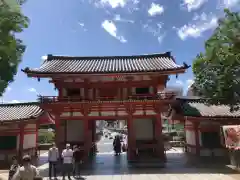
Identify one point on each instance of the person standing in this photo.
(117, 145)
(67, 156)
(27, 171)
(53, 156)
(14, 168)
(76, 161)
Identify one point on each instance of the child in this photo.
(14, 167)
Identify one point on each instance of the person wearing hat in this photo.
(14, 168)
(27, 171)
(67, 156)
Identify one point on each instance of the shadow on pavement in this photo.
(177, 164)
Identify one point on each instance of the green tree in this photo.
(217, 71)
(12, 21)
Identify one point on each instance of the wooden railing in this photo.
(52, 99)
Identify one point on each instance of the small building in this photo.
(203, 125)
(19, 124)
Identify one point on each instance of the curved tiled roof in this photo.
(19, 111)
(108, 64)
(198, 108)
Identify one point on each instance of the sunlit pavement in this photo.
(108, 167)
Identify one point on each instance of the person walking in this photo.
(117, 145)
(76, 161)
(14, 168)
(67, 156)
(27, 171)
(53, 156)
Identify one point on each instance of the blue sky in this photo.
(113, 27)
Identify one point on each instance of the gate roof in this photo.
(107, 64)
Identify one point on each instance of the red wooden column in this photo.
(158, 136)
(196, 130)
(36, 132)
(21, 140)
(65, 130)
(131, 134)
(131, 139)
(87, 141)
(57, 131)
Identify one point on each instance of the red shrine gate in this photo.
(104, 88)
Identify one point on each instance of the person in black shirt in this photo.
(77, 161)
(117, 145)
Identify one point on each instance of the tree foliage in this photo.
(12, 21)
(217, 71)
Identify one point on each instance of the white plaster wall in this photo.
(64, 92)
(188, 123)
(143, 129)
(190, 134)
(190, 137)
(81, 92)
(30, 126)
(90, 93)
(75, 130)
(29, 141)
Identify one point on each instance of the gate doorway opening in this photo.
(105, 131)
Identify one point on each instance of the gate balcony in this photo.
(166, 96)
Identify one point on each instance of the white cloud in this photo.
(14, 101)
(201, 17)
(196, 29)
(179, 82)
(33, 90)
(81, 24)
(155, 9)
(44, 58)
(120, 19)
(111, 28)
(113, 3)
(189, 83)
(160, 38)
(229, 3)
(9, 89)
(129, 5)
(9, 102)
(155, 30)
(193, 4)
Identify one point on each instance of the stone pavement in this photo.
(109, 167)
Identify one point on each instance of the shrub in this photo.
(45, 136)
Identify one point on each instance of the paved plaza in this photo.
(108, 167)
